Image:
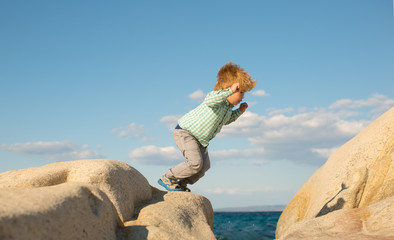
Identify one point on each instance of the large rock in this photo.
(169, 214)
(123, 185)
(352, 195)
(95, 199)
(66, 211)
(371, 222)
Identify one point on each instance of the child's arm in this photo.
(236, 113)
(218, 97)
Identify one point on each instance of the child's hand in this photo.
(235, 87)
(243, 107)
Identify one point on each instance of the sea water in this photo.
(245, 225)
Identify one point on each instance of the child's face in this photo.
(236, 98)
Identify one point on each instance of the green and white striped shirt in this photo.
(206, 120)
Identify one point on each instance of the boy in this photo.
(199, 126)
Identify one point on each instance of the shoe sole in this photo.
(166, 187)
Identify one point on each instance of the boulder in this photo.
(65, 211)
(351, 194)
(123, 185)
(371, 222)
(96, 199)
(172, 216)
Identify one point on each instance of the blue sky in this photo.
(106, 79)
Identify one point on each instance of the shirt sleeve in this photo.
(234, 116)
(214, 98)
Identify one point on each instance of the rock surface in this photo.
(352, 195)
(96, 199)
(169, 214)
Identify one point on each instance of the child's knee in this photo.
(195, 160)
(197, 166)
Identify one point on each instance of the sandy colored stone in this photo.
(344, 196)
(371, 222)
(96, 199)
(123, 185)
(65, 211)
(172, 216)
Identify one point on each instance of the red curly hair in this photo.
(233, 73)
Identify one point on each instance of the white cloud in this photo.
(260, 93)
(247, 125)
(197, 96)
(237, 154)
(293, 137)
(59, 151)
(153, 155)
(280, 111)
(297, 127)
(379, 102)
(132, 129)
(324, 152)
(297, 136)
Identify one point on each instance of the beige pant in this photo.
(197, 163)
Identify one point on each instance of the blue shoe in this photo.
(169, 184)
(183, 186)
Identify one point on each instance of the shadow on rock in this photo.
(339, 205)
(133, 232)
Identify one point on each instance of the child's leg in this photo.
(206, 166)
(192, 151)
